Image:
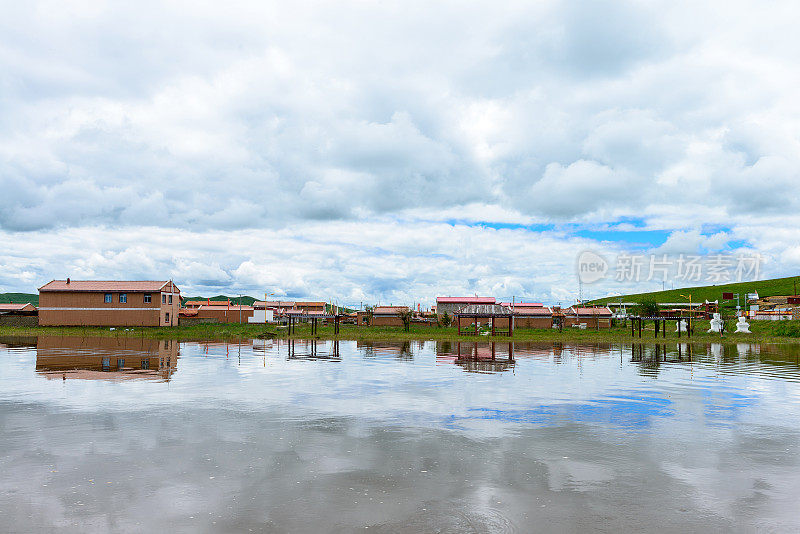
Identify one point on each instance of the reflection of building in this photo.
(398, 349)
(118, 303)
(477, 357)
(106, 357)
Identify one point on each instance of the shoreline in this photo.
(762, 333)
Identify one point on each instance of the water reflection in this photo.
(415, 436)
(475, 357)
(111, 358)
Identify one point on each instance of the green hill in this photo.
(764, 288)
(19, 298)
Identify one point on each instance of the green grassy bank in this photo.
(763, 331)
(764, 288)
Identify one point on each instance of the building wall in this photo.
(534, 321)
(386, 320)
(225, 315)
(448, 307)
(27, 321)
(90, 309)
(500, 323)
(589, 320)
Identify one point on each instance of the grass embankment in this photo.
(764, 288)
(763, 331)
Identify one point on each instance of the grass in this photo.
(763, 331)
(764, 288)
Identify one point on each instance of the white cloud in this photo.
(270, 116)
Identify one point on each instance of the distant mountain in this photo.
(19, 298)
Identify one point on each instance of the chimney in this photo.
(67, 280)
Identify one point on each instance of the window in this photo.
(170, 299)
(120, 363)
(166, 317)
(163, 298)
(108, 298)
(148, 298)
(123, 297)
(106, 364)
(145, 364)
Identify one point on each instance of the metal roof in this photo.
(466, 300)
(137, 286)
(484, 310)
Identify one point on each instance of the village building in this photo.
(599, 317)
(451, 305)
(109, 303)
(14, 308)
(282, 308)
(382, 316)
(530, 314)
(225, 312)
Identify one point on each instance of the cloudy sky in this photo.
(389, 152)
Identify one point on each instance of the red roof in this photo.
(389, 310)
(522, 304)
(466, 300)
(16, 306)
(532, 310)
(207, 303)
(589, 311)
(138, 286)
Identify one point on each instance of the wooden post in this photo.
(336, 325)
(458, 322)
(664, 328)
(640, 328)
(493, 336)
(476, 324)
(655, 327)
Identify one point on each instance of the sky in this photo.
(364, 152)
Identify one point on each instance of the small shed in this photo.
(498, 318)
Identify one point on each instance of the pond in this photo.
(136, 435)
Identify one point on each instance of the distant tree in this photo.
(647, 308)
(444, 320)
(406, 316)
(370, 310)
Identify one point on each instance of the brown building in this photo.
(530, 314)
(282, 308)
(224, 312)
(109, 303)
(384, 316)
(591, 317)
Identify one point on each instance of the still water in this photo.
(135, 435)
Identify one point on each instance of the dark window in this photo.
(108, 298)
(120, 363)
(170, 299)
(123, 297)
(166, 317)
(163, 298)
(148, 298)
(106, 364)
(145, 364)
